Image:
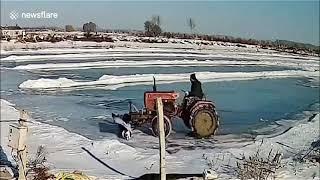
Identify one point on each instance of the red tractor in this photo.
(198, 114)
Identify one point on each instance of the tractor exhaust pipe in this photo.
(154, 88)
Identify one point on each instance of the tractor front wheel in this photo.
(155, 126)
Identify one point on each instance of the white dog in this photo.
(125, 128)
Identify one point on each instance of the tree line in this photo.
(152, 28)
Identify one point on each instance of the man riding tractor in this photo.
(197, 113)
(196, 92)
(196, 89)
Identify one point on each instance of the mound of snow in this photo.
(113, 82)
(48, 83)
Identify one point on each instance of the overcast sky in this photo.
(297, 20)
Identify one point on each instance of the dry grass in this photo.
(36, 166)
(257, 167)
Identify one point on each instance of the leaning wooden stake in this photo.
(22, 152)
(161, 139)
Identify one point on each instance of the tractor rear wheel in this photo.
(204, 123)
(155, 126)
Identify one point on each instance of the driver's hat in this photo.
(193, 76)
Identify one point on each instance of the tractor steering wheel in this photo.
(186, 93)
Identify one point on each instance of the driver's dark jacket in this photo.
(196, 89)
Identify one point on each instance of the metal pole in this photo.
(161, 139)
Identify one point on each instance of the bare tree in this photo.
(152, 28)
(69, 28)
(147, 26)
(156, 29)
(191, 24)
(156, 20)
(89, 27)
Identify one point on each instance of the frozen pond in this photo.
(242, 105)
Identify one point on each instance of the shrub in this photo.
(257, 167)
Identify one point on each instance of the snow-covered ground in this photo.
(180, 43)
(186, 44)
(69, 151)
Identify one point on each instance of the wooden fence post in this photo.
(161, 139)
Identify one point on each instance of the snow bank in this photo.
(157, 53)
(10, 46)
(120, 63)
(114, 82)
(294, 141)
(104, 58)
(155, 63)
(7, 117)
(299, 137)
(98, 55)
(68, 151)
(55, 51)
